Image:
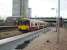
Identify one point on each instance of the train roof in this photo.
(33, 20)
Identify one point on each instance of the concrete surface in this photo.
(48, 41)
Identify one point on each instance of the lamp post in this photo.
(56, 16)
(57, 21)
(58, 31)
(53, 10)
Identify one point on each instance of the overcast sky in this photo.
(5, 8)
(39, 7)
(43, 7)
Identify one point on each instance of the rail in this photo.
(6, 26)
(12, 42)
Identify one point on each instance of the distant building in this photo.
(16, 8)
(61, 22)
(20, 8)
(29, 12)
(11, 21)
(2, 22)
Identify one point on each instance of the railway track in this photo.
(8, 34)
(9, 31)
(7, 28)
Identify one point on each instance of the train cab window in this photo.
(23, 22)
(19, 23)
(35, 24)
(32, 24)
(27, 22)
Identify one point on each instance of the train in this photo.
(25, 25)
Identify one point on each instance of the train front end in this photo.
(23, 25)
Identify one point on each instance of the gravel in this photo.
(8, 34)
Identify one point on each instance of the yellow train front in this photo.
(23, 25)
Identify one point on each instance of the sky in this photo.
(44, 8)
(5, 8)
(41, 8)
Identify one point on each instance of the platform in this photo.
(48, 41)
